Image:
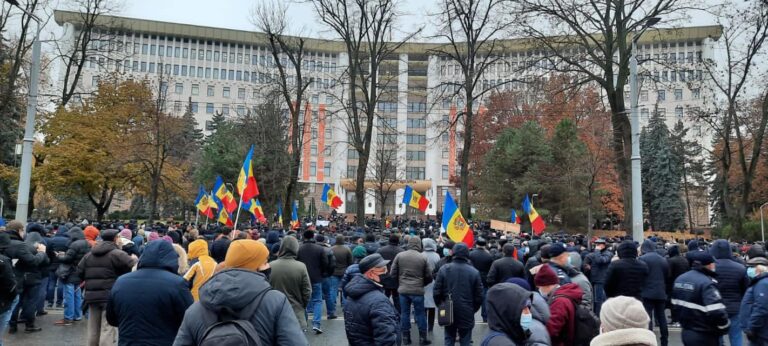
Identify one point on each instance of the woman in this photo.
(202, 266)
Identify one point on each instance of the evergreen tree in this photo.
(661, 177)
(690, 165)
(568, 174)
(191, 134)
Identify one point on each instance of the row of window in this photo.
(411, 173)
(679, 112)
(661, 95)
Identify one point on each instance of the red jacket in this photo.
(561, 324)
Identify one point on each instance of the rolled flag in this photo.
(223, 195)
(295, 215)
(330, 197)
(246, 182)
(454, 224)
(280, 212)
(537, 223)
(415, 199)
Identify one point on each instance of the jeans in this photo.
(655, 309)
(73, 301)
(330, 293)
(599, 292)
(734, 332)
(27, 307)
(483, 309)
(41, 294)
(55, 292)
(316, 304)
(6, 316)
(465, 336)
(691, 338)
(418, 310)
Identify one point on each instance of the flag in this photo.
(514, 218)
(223, 216)
(224, 196)
(295, 215)
(454, 224)
(246, 182)
(537, 223)
(254, 207)
(202, 204)
(330, 197)
(280, 212)
(415, 199)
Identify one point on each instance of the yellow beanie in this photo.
(246, 254)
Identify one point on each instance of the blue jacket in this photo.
(351, 271)
(699, 304)
(148, 305)
(369, 316)
(732, 280)
(598, 262)
(460, 279)
(753, 315)
(658, 272)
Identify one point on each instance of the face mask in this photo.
(752, 272)
(525, 321)
(446, 252)
(570, 261)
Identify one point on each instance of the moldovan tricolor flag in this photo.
(254, 207)
(246, 182)
(537, 223)
(224, 196)
(279, 212)
(415, 199)
(514, 218)
(201, 202)
(330, 197)
(223, 215)
(295, 215)
(454, 224)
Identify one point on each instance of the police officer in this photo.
(702, 313)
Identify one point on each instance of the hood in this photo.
(62, 231)
(540, 309)
(76, 233)
(159, 255)
(414, 243)
(429, 244)
(572, 291)
(359, 286)
(34, 238)
(674, 251)
(5, 241)
(91, 233)
(721, 249)
(272, 237)
(197, 249)
(693, 245)
(232, 289)
(505, 304)
(648, 246)
(289, 248)
(627, 250)
(460, 250)
(103, 248)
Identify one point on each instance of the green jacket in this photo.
(289, 275)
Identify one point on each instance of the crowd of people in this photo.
(177, 284)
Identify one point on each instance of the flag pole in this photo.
(206, 222)
(197, 216)
(239, 206)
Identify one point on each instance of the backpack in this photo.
(490, 336)
(7, 283)
(233, 329)
(586, 324)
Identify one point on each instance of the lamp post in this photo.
(637, 196)
(762, 226)
(22, 201)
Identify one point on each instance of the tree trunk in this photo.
(622, 150)
(362, 164)
(295, 144)
(154, 186)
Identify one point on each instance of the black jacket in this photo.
(388, 252)
(148, 305)
(59, 243)
(34, 275)
(77, 248)
(100, 269)
(482, 260)
(315, 258)
(678, 265)
(598, 262)
(626, 276)
(369, 316)
(462, 281)
(732, 280)
(28, 260)
(658, 272)
(219, 249)
(503, 269)
(699, 304)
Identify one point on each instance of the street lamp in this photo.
(762, 226)
(22, 201)
(637, 196)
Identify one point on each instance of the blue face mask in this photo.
(446, 252)
(752, 272)
(525, 321)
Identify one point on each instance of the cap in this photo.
(372, 261)
(556, 250)
(762, 261)
(600, 241)
(702, 257)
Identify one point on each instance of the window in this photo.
(207, 72)
(225, 92)
(352, 154)
(326, 167)
(144, 49)
(644, 114)
(241, 93)
(231, 75)
(417, 107)
(208, 55)
(329, 100)
(152, 49)
(644, 95)
(177, 106)
(178, 52)
(351, 173)
(313, 150)
(241, 110)
(210, 90)
(444, 154)
(411, 155)
(208, 125)
(223, 74)
(143, 66)
(151, 67)
(175, 70)
(661, 95)
(416, 139)
(664, 76)
(315, 99)
(194, 107)
(417, 123)
(193, 53)
(164, 88)
(678, 94)
(209, 108)
(696, 93)
(327, 151)
(225, 109)
(195, 89)
(328, 134)
(679, 112)
(184, 70)
(95, 80)
(179, 88)
(185, 53)
(200, 54)
(414, 173)
(672, 76)
(445, 174)
(387, 106)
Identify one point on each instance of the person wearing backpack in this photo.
(238, 307)
(564, 303)
(148, 305)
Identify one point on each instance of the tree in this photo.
(384, 172)
(568, 174)
(661, 177)
(691, 166)
(364, 27)
(582, 39)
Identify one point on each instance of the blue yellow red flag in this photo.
(454, 224)
(224, 196)
(246, 182)
(415, 199)
(330, 197)
(295, 215)
(254, 207)
(537, 223)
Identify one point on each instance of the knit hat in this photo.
(246, 254)
(622, 313)
(359, 252)
(91, 233)
(153, 236)
(556, 250)
(545, 277)
(126, 233)
(107, 234)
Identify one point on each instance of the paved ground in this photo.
(333, 334)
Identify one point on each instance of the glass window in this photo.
(177, 51)
(327, 169)
(195, 89)
(95, 80)
(696, 93)
(225, 92)
(185, 53)
(208, 55)
(211, 90)
(224, 57)
(216, 56)
(225, 109)
(679, 112)
(175, 70)
(351, 173)
(193, 53)
(161, 50)
(644, 114)
(313, 149)
(444, 154)
(644, 95)
(328, 133)
(143, 66)
(194, 107)
(231, 75)
(151, 67)
(223, 74)
(209, 108)
(352, 154)
(445, 172)
(313, 168)
(207, 72)
(183, 70)
(661, 95)
(232, 57)
(179, 88)
(678, 94)
(152, 49)
(177, 106)
(414, 173)
(241, 110)
(241, 93)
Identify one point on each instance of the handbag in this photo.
(445, 312)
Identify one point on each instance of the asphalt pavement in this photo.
(333, 333)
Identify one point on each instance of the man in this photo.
(220, 245)
(314, 258)
(28, 259)
(290, 277)
(344, 259)
(9, 296)
(482, 260)
(148, 305)
(597, 264)
(461, 281)
(678, 265)
(327, 272)
(100, 268)
(560, 261)
(562, 305)
(388, 252)
(506, 267)
(732, 282)
(702, 313)
(77, 248)
(654, 291)
(626, 276)
(59, 243)
(369, 316)
(753, 314)
(241, 291)
(412, 272)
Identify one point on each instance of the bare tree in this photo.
(591, 41)
(363, 26)
(384, 164)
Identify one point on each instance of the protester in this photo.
(654, 293)
(314, 258)
(358, 254)
(482, 260)
(510, 316)
(369, 317)
(430, 246)
(343, 256)
(624, 321)
(202, 269)
(219, 246)
(290, 277)
(77, 248)
(560, 261)
(183, 261)
(329, 296)
(540, 311)
(732, 282)
(9, 296)
(28, 258)
(241, 291)
(597, 263)
(388, 252)
(461, 281)
(562, 305)
(753, 312)
(626, 276)
(58, 244)
(158, 290)
(412, 272)
(678, 265)
(505, 267)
